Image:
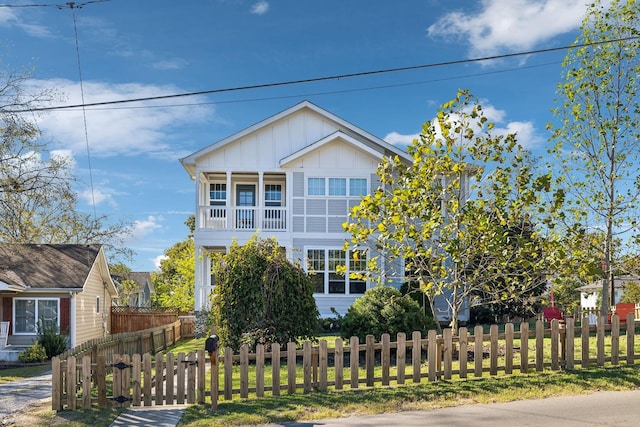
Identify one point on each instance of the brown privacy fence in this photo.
(140, 342)
(132, 319)
(145, 380)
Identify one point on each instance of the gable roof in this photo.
(189, 162)
(33, 266)
(143, 278)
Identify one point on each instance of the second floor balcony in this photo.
(242, 218)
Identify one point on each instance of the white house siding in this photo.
(89, 322)
(298, 143)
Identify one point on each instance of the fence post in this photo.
(260, 370)
(101, 380)
(191, 377)
(447, 357)
(493, 352)
(416, 355)
(228, 373)
(370, 359)
(401, 356)
(169, 375)
(137, 387)
(432, 355)
(584, 336)
(463, 340)
(159, 380)
(631, 331)
(306, 366)
(180, 379)
(71, 383)
(615, 340)
(213, 359)
(354, 361)
(291, 367)
(539, 345)
(555, 347)
(56, 384)
(524, 347)
(275, 369)
(508, 348)
(323, 365)
(478, 337)
(569, 346)
(385, 358)
(338, 364)
(600, 341)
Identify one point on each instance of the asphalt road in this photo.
(611, 408)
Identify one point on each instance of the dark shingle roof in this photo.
(46, 266)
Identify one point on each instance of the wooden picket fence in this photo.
(145, 380)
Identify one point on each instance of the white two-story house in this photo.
(293, 176)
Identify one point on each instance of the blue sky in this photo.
(140, 48)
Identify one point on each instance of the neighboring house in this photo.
(140, 298)
(65, 285)
(293, 176)
(590, 295)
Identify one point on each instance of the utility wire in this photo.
(310, 94)
(70, 5)
(329, 78)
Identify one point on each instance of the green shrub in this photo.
(53, 342)
(33, 354)
(383, 309)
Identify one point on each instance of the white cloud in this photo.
(525, 133)
(260, 8)
(508, 25)
(157, 260)
(12, 20)
(117, 130)
(170, 64)
(142, 228)
(398, 139)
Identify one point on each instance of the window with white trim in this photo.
(337, 187)
(323, 264)
(31, 313)
(218, 199)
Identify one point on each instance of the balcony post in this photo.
(260, 205)
(228, 202)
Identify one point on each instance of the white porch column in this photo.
(199, 201)
(200, 283)
(260, 202)
(72, 320)
(228, 201)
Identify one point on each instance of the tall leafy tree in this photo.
(175, 282)
(596, 137)
(452, 206)
(37, 201)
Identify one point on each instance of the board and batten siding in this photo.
(263, 149)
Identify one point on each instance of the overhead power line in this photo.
(328, 78)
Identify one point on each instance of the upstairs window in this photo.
(337, 187)
(217, 194)
(273, 195)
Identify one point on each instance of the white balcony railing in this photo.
(242, 218)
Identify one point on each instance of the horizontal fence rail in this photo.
(157, 379)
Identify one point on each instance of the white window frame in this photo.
(327, 180)
(327, 271)
(35, 299)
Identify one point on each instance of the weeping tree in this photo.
(596, 138)
(449, 214)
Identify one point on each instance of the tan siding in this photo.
(88, 322)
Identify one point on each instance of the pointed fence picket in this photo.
(124, 380)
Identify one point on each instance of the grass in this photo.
(13, 374)
(334, 404)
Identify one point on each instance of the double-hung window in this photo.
(30, 314)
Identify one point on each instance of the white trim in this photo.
(36, 299)
(326, 140)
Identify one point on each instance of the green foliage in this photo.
(53, 342)
(467, 214)
(596, 135)
(34, 354)
(383, 309)
(128, 288)
(175, 283)
(261, 297)
(631, 292)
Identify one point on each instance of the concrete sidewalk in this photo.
(150, 416)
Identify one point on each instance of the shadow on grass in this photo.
(334, 404)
